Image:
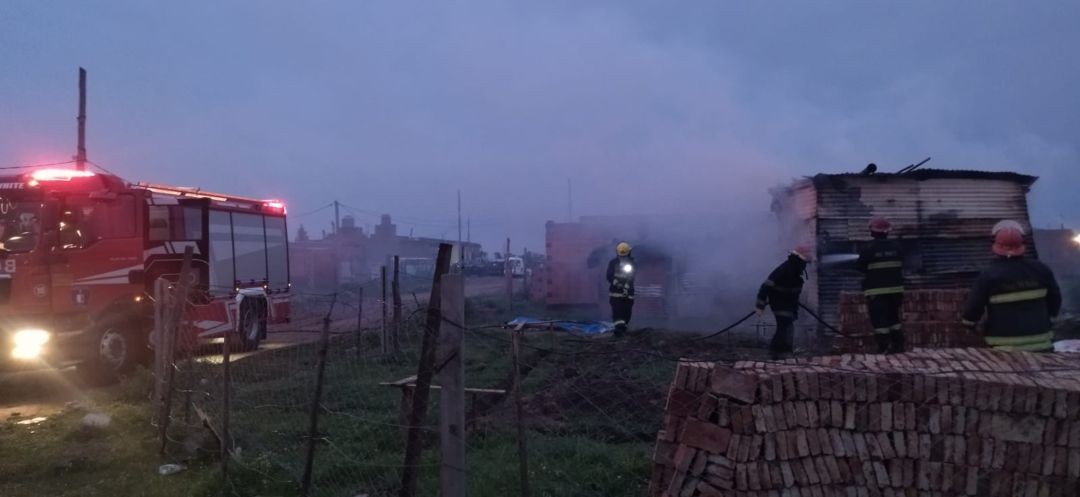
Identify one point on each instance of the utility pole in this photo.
(80, 154)
(468, 229)
(337, 217)
(569, 201)
(461, 248)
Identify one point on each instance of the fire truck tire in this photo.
(118, 345)
(252, 327)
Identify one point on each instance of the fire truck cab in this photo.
(80, 252)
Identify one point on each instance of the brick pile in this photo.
(926, 423)
(931, 320)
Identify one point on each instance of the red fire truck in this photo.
(80, 252)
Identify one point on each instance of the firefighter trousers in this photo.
(885, 317)
(783, 341)
(621, 310)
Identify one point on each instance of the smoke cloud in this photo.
(692, 109)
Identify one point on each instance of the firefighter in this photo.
(1020, 295)
(882, 265)
(781, 293)
(620, 278)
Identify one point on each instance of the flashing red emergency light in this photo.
(59, 174)
(275, 205)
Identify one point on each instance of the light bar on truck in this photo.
(57, 175)
(274, 206)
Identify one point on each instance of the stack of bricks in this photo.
(925, 423)
(931, 320)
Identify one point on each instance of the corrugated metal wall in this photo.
(944, 224)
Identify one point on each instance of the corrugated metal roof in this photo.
(925, 174)
(945, 217)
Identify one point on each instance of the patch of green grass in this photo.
(61, 457)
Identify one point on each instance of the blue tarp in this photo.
(586, 328)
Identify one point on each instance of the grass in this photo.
(61, 457)
(592, 412)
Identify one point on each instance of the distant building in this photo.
(350, 255)
(671, 282)
(942, 218)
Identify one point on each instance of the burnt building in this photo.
(943, 219)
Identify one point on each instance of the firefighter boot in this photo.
(884, 342)
(620, 329)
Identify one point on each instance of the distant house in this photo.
(942, 217)
(350, 255)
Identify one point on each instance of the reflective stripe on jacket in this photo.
(620, 282)
(1020, 297)
(882, 263)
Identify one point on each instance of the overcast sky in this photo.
(648, 107)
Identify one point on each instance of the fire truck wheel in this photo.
(252, 324)
(117, 349)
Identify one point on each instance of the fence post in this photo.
(396, 291)
(161, 341)
(226, 382)
(508, 270)
(424, 372)
(172, 327)
(385, 338)
(452, 381)
(360, 322)
(523, 458)
(313, 420)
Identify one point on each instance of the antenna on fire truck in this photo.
(80, 157)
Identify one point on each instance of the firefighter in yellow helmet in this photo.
(620, 278)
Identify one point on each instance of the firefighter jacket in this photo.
(620, 277)
(883, 266)
(781, 291)
(1020, 296)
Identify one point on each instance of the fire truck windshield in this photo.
(20, 223)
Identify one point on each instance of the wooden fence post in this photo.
(313, 419)
(523, 458)
(452, 381)
(385, 338)
(226, 383)
(424, 372)
(161, 341)
(396, 291)
(172, 326)
(360, 322)
(509, 271)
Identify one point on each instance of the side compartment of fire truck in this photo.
(240, 268)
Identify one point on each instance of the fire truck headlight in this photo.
(628, 268)
(29, 343)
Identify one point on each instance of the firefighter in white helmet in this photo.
(620, 278)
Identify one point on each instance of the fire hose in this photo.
(751, 314)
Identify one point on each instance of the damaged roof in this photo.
(926, 174)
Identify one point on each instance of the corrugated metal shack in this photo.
(942, 217)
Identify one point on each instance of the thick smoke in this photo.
(392, 107)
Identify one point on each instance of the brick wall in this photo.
(930, 422)
(931, 320)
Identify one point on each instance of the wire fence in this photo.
(323, 408)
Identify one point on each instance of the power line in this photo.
(308, 213)
(28, 166)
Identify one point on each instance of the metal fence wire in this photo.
(552, 413)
